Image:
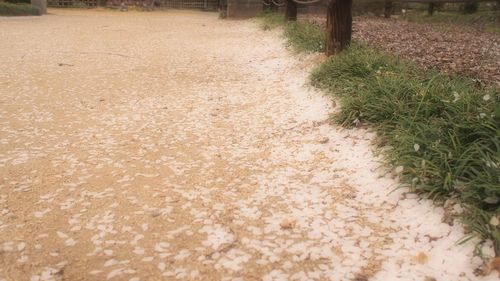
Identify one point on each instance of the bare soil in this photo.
(174, 145)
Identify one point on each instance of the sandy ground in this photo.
(173, 145)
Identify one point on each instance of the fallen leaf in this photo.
(324, 140)
(494, 221)
(494, 264)
(445, 47)
(416, 147)
(421, 258)
(287, 224)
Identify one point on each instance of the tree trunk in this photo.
(388, 9)
(470, 7)
(269, 6)
(273, 8)
(338, 26)
(266, 6)
(430, 10)
(42, 4)
(290, 10)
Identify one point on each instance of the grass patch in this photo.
(443, 133)
(271, 20)
(8, 9)
(305, 37)
(301, 36)
(483, 20)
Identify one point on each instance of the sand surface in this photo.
(174, 145)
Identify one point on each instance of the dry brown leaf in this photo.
(451, 50)
(494, 264)
(420, 258)
(287, 224)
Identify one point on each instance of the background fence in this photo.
(72, 3)
(177, 4)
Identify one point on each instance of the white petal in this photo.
(416, 147)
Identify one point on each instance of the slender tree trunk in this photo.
(269, 7)
(42, 4)
(290, 10)
(388, 9)
(430, 10)
(222, 8)
(338, 26)
(470, 7)
(274, 8)
(266, 7)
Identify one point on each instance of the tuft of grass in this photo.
(9, 9)
(303, 37)
(444, 131)
(271, 20)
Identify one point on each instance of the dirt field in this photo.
(174, 145)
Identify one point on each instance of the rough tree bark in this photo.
(338, 26)
(388, 9)
(290, 10)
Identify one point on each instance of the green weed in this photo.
(443, 130)
(9, 9)
(301, 36)
(271, 20)
(305, 37)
